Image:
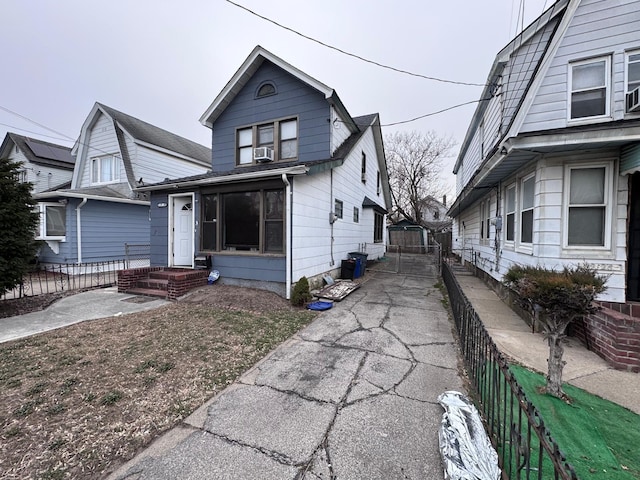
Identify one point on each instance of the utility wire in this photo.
(435, 113)
(373, 62)
(36, 123)
(13, 127)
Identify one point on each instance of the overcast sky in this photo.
(165, 61)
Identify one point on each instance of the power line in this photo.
(36, 123)
(373, 62)
(13, 127)
(434, 113)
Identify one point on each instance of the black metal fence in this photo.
(66, 277)
(525, 447)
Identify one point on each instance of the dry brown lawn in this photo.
(80, 401)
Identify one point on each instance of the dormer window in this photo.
(268, 142)
(105, 169)
(266, 89)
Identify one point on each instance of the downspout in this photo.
(79, 227)
(331, 214)
(288, 235)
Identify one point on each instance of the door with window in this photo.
(182, 231)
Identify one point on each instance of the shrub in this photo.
(301, 294)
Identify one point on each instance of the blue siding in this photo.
(107, 226)
(159, 229)
(246, 267)
(294, 98)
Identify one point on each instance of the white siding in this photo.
(43, 177)
(313, 200)
(154, 166)
(598, 28)
(100, 140)
(339, 131)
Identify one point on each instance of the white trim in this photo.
(525, 247)
(173, 153)
(58, 194)
(510, 243)
(116, 159)
(609, 204)
(171, 229)
(607, 86)
(42, 222)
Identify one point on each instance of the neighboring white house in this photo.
(92, 218)
(548, 173)
(297, 183)
(44, 164)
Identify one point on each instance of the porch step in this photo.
(153, 283)
(150, 292)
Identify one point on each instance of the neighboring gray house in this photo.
(100, 211)
(549, 171)
(44, 164)
(297, 183)
(434, 214)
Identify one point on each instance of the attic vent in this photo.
(266, 89)
(263, 154)
(633, 100)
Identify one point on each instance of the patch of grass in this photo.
(599, 438)
(56, 408)
(110, 398)
(68, 385)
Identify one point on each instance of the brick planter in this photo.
(170, 283)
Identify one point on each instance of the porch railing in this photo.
(525, 447)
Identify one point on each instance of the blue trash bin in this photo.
(357, 272)
(363, 260)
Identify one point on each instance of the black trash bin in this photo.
(347, 269)
(363, 260)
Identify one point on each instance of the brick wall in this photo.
(181, 282)
(613, 335)
(127, 278)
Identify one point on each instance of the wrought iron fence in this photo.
(67, 277)
(525, 447)
(137, 254)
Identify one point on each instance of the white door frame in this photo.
(170, 232)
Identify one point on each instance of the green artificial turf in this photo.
(600, 439)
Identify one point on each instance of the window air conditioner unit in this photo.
(633, 100)
(263, 154)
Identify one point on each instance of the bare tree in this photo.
(414, 161)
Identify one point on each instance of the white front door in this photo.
(182, 231)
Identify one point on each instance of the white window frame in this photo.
(608, 205)
(607, 87)
(41, 233)
(528, 246)
(507, 213)
(485, 221)
(627, 62)
(115, 169)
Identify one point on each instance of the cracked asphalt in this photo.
(351, 396)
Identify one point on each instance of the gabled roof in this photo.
(550, 17)
(275, 168)
(255, 59)
(143, 132)
(40, 152)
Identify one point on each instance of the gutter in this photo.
(79, 228)
(58, 194)
(288, 235)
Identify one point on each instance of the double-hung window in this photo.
(105, 169)
(378, 227)
(527, 197)
(53, 224)
(278, 141)
(633, 70)
(485, 221)
(589, 82)
(587, 215)
(510, 211)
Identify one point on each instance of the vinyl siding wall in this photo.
(548, 226)
(293, 99)
(101, 140)
(154, 166)
(43, 177)
(159, 235)
(599, 28)
(313, 201)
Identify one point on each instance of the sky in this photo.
(165, 61)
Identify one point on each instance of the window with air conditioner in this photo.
(633, 82)
(267, 142)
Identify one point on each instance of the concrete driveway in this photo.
(351, 396)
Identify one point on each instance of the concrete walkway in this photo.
(351, 396)
(99, 303)
(513, 337)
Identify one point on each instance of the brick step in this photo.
(153, 283)
(150, 292)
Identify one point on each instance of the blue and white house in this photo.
(92, 218)
(296, 183)
(549, 171)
